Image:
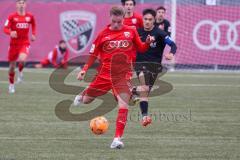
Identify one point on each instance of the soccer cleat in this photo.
(146, 120)
(20, 77)
(117, 144)
(11, 88)
(135, 97)
(77, 100)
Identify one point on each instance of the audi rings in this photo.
(215, 35)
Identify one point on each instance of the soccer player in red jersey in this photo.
(17, 27)
(57, 58)
(131, 18)
(113, 47)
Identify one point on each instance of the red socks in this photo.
(121, 122)
(11, 76)
(20, 67)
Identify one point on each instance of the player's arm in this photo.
(142, 46)
(169, 28)
(172, 44)
(89, 63)
(93, 56)
(7, 28)
(33, 23)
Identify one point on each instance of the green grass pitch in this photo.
(199, 119)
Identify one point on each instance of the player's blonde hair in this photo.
(117, 11)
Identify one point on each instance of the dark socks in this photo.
(144, 108)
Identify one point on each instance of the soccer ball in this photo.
(99, 125)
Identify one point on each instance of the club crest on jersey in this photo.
(127, 34)
(134, 21)
(28, 19)
(77, 28)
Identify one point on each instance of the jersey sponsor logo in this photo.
(110, 46)
(22, 25)
(77, 28)
(134, 21)
(153, 45)
(6, 23)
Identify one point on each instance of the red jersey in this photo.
(20, 24)
(115, 48)
(135, 20)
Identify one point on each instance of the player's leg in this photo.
(12, 57)
(43, 63)
(11, 75)
(144, 78)
(21, 62)
(142, 90)
(82, 98)
(23, 54)
(96, 88)
(147, 78)
(123, 94)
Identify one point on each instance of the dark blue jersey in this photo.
(166, 26)
(155, 51)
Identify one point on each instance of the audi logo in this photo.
(22, 25)
(109, 46)
(215, 35)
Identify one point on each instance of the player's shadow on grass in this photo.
(62, 109)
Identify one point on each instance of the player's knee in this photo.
(141, 74)
(143, 99)
(11, 67)
(123, 99)
(22, 57)
(123, 104)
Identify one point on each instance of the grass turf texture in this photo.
(198, 119)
